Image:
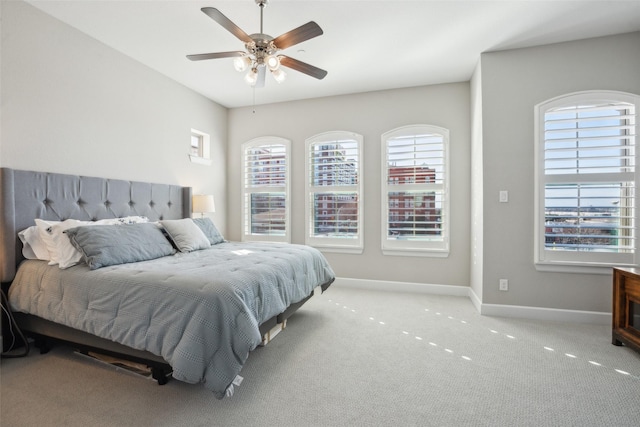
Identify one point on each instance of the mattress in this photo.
(199, 311)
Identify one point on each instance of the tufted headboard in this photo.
(27, 195)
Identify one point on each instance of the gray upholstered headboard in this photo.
(27, 195)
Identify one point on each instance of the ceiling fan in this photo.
(261, 50)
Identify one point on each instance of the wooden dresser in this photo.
(626, 307)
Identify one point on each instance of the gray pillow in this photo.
(209, 229)
(186, 235)
(103, 245)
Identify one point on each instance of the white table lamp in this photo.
(203, 203)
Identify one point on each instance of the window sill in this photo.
(338, 249)
(200, 160)
(578, 268)
(416, 253)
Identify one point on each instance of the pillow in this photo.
(105, 245)
(123, 220)
(186, 235)
(209, 229)
(61, 251)
(33, 247)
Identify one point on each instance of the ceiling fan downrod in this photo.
(262, 4)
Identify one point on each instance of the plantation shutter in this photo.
(415, 171)
(334, 184)
(266, 191)
(589, 178)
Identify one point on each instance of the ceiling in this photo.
(366, 45)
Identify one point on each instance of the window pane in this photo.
(265, 166)
(589, 139)
(334, 163)
(267, 214)
(335, 215)
(196, 145)
(414, 215)
(417, 158)
(595, 216)
(590, 217)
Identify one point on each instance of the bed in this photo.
(147, 288)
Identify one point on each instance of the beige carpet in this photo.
(359, 358)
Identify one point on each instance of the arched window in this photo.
(333, 186)
(265, 202)
(415, 191)
(586, 180)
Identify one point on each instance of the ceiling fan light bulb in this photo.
(273, 62)
(251, 78)
(241, 63)
(279, 75)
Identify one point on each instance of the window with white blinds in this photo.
(265, 201)
(334, 191)
(586, 184)
(415, 195)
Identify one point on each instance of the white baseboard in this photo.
(498, 310)
(543, 313)
(381, 285)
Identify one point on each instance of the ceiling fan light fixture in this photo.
(241, 63)
(252, 77)
(273, 62)
(279, 75)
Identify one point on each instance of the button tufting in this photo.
(152, 203)
(131, 203)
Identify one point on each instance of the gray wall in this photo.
(73, 105)
(368, 114)
(513, 82)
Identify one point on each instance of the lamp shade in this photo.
(203, 203)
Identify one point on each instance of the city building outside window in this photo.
(334, 192)
(415, 191)
(265, 185)
(586, 181)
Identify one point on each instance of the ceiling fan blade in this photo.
(261, 76)
(217, 16)
(303, 67)
(201, 56)
(298, 35)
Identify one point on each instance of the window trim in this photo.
(286, 188)
(436, 249)
(333, 244)
(582, 262)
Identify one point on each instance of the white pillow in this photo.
(33, 247)
(58, 245)
(123, 220)
(61, 251)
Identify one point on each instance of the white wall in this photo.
(73, 105)
(513, 82)
(368, 114)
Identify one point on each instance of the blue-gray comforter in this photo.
(200, 311)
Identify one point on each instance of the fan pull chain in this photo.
(253, 104)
